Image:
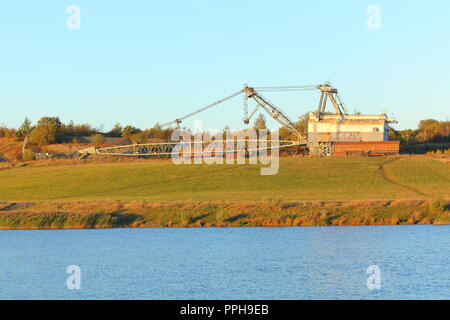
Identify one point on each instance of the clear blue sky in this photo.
(142, 62)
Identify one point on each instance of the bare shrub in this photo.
(437, 205)
(97, 139)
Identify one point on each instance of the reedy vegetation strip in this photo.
(271, 212)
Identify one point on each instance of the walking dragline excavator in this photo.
(329, 133)
(316, 146)
(327, 93)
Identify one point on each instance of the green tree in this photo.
(393, 134)
(129, 130)
(116, 131)
(68, 129)
(157, 132)
(302, 124)
(431, 130)
(24, 129)
(47, 131)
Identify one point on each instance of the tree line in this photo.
(50, 130)
(431, 135)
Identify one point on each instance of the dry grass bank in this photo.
(268, 213)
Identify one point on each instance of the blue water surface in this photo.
(227, 263)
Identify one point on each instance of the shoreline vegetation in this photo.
(273, 212)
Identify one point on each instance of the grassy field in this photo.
(334, 179)
(306, 191)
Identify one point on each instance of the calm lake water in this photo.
(227, 263)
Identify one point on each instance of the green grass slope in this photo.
(333, 179)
